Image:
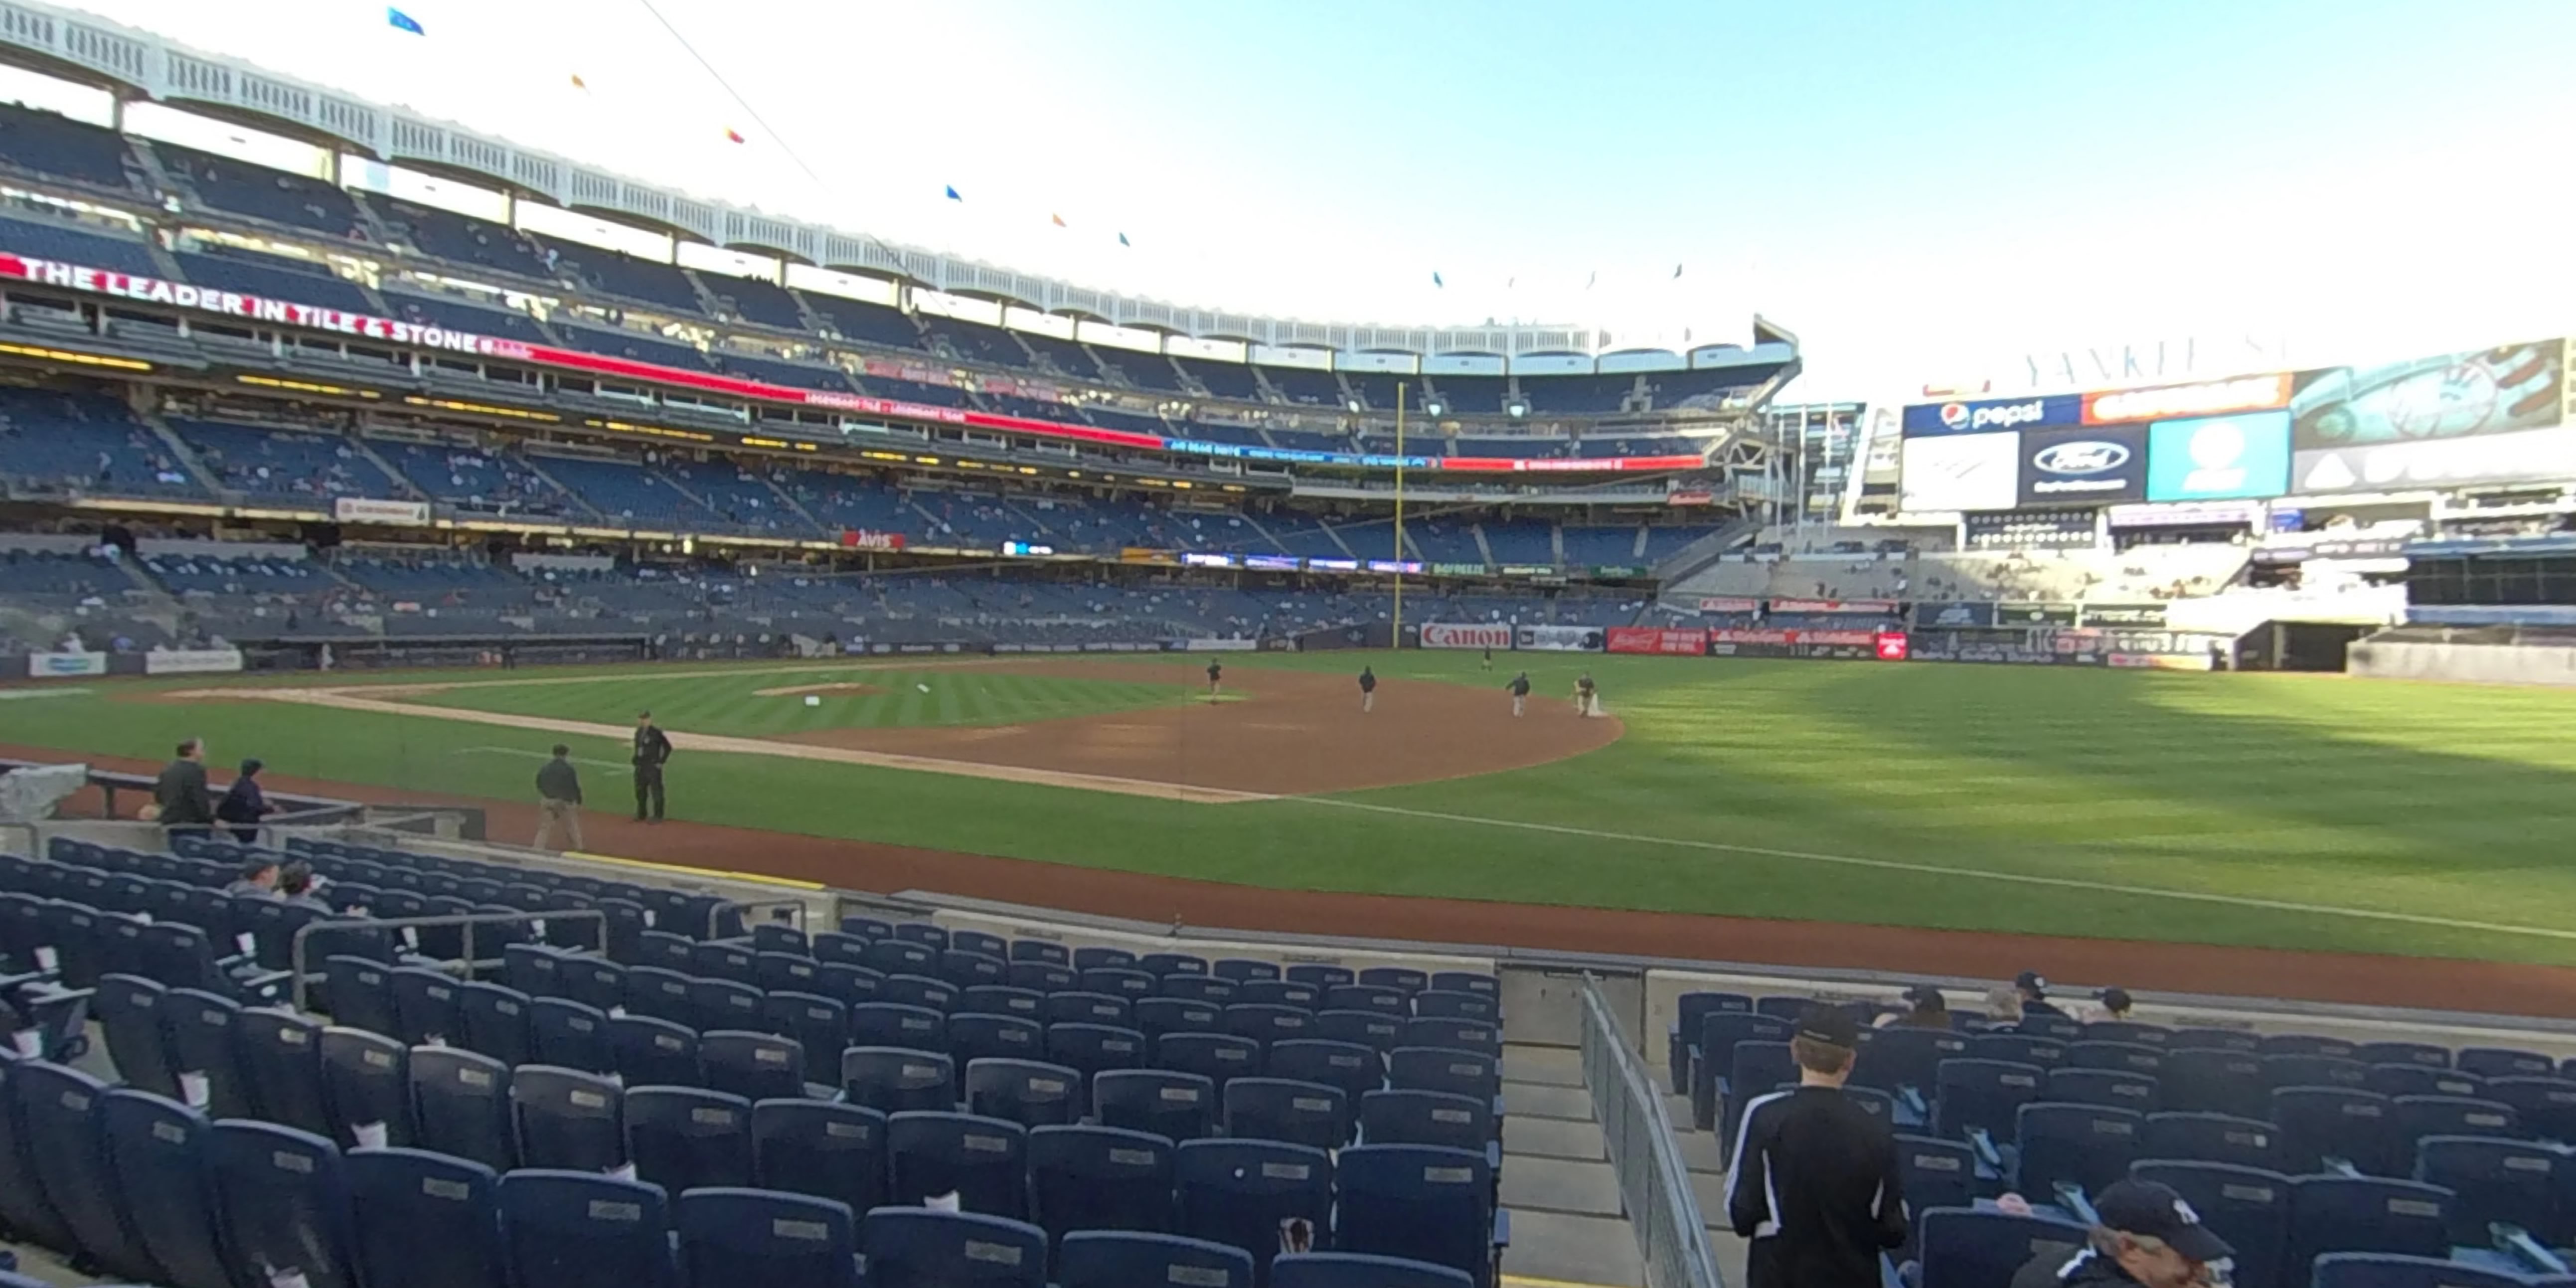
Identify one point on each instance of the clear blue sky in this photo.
(1924, 192)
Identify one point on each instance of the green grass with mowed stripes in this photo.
(2289, 811)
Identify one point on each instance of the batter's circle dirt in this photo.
(1283, 733)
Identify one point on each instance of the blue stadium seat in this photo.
(1177, 1106)
(2086, 1146)
(199, 1027)
(1196, 988)
(1982, 1095)
(1218, 1057)
(984, 1161)
(1002, 999)
(2248, 1207)
(568, 1120)
(2234, 1040)
(2423, 1080)
(1118, 981)
(744, 1236)
(1758, 1067)
(2127, 1057)
(2306, 1044)
(1279, 992)
(579, 1230)
(653, 1052)
(978, 1037)
(2311, 1070)
(2057, 1027)
(1121, 1259)
(895, 1024)
(128, 1008)
(682, 1138)
(2511, 1181)
(2417, 1117)
(461, 1106)
(2422, 1053)
(831, 1151)
(1031, 1093)
(1460, 1073)
(754, 1066)
(777, 972)
(569, 1035)
(366, 1084)
(1897, 1057)
(1093, 1049)
(2365, 1214)
(2547, 1105)
(1238, 1192)
(593, 982)
(967, 970)
(281, 1203)
(2213, 1080)
(1380, 1033)
(1302, 1113)
(1072, 1006)
(980, 942)
(1102, 958)
(280, 1054)
(2215, 1138)
(914, 1248)
(1404, 979)
(424, 1005)
(661, 992)
(918, 990)
(1098, 1178)
(1321, 974)
(1046, 951)
(903, 957)
(1965, 1248)
(1435, 1003)
(155, 1156)
(57, 1127)
(1380, 999)
(1712, 1057)
(493, 1020)
(2383, 1270)
(1268, 1024)
(849, 984)
(425, 1220)
(2318, 1123)
(1355, 1069)
(895, 1079)
(2505, 1062)
(1485, 983)
(1358, 1270)
(1462, 1035)
(1426, 1118)
(1159, 965)
(1937, 1173)
(2111, 1088)
(1157, 1017)
(1418, 1202)
(724, 1004)
(2131, 1031)
(2012, 1048)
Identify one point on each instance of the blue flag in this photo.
(1435, 281)
(403, 21)
(1122, 239)
(952, 195)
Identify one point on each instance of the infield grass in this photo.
(2322, 812)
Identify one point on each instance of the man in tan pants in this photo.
(558, 801)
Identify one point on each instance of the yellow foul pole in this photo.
(1399, 514)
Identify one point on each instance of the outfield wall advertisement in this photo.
(1558, 639)
(1661, 643)
(55, 666)
(1472, 635)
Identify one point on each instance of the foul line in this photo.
(1934, 869)
(539, 755)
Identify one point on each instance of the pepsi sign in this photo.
(1994, 415)
(2101, 466)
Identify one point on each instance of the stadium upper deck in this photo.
(766, 303)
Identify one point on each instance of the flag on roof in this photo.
(1435, 281)
(734, 135)
(1058, 220)
(952, 195)
(403, 22)
(1588, 282)
(580, 84)
(1122, 239)
(1677, 270)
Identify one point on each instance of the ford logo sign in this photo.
(2080, 458)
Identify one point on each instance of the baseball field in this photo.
(2246, 811)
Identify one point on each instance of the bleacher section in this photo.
(461, 239)
(635, 345)
(755, 301)
(866, 323)
(630, 493)
(272, 462)
(52, 239)
(51, 144)
(1082, 1105)
(471, 318)
(55, 442)
(473, 479)
(257, 192)
(624, 276)
(273, 278)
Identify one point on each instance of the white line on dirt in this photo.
(1934, 869)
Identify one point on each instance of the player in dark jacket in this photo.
(1216, 678)
(558, 800)
(180, 791)
(652, 751)
(1814, 1182)
(1368, 689)
(1520, 687)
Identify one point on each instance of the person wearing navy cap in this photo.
(2146, 1236)
(2115, 1003)
(1814, 1181)
(2034, 995)
(1927, 1009)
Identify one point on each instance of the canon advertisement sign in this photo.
(2103, 466)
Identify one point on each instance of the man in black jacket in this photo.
(2148, 1238)
(1814, 1181)
(558, 800)
(181, 792)
(652, 749)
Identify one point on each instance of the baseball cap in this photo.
(1831, 1025)
(2157, 1212)
(2031, 981)
(2115, 998)
(1925, 995)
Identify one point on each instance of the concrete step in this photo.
(1566, 1249)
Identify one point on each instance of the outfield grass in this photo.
(2071, 801)
(739, 705)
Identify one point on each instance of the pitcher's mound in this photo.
(851, 688)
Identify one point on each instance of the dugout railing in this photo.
(1654, 1183)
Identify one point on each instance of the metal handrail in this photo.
(1654, 1184)
(296, 957)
